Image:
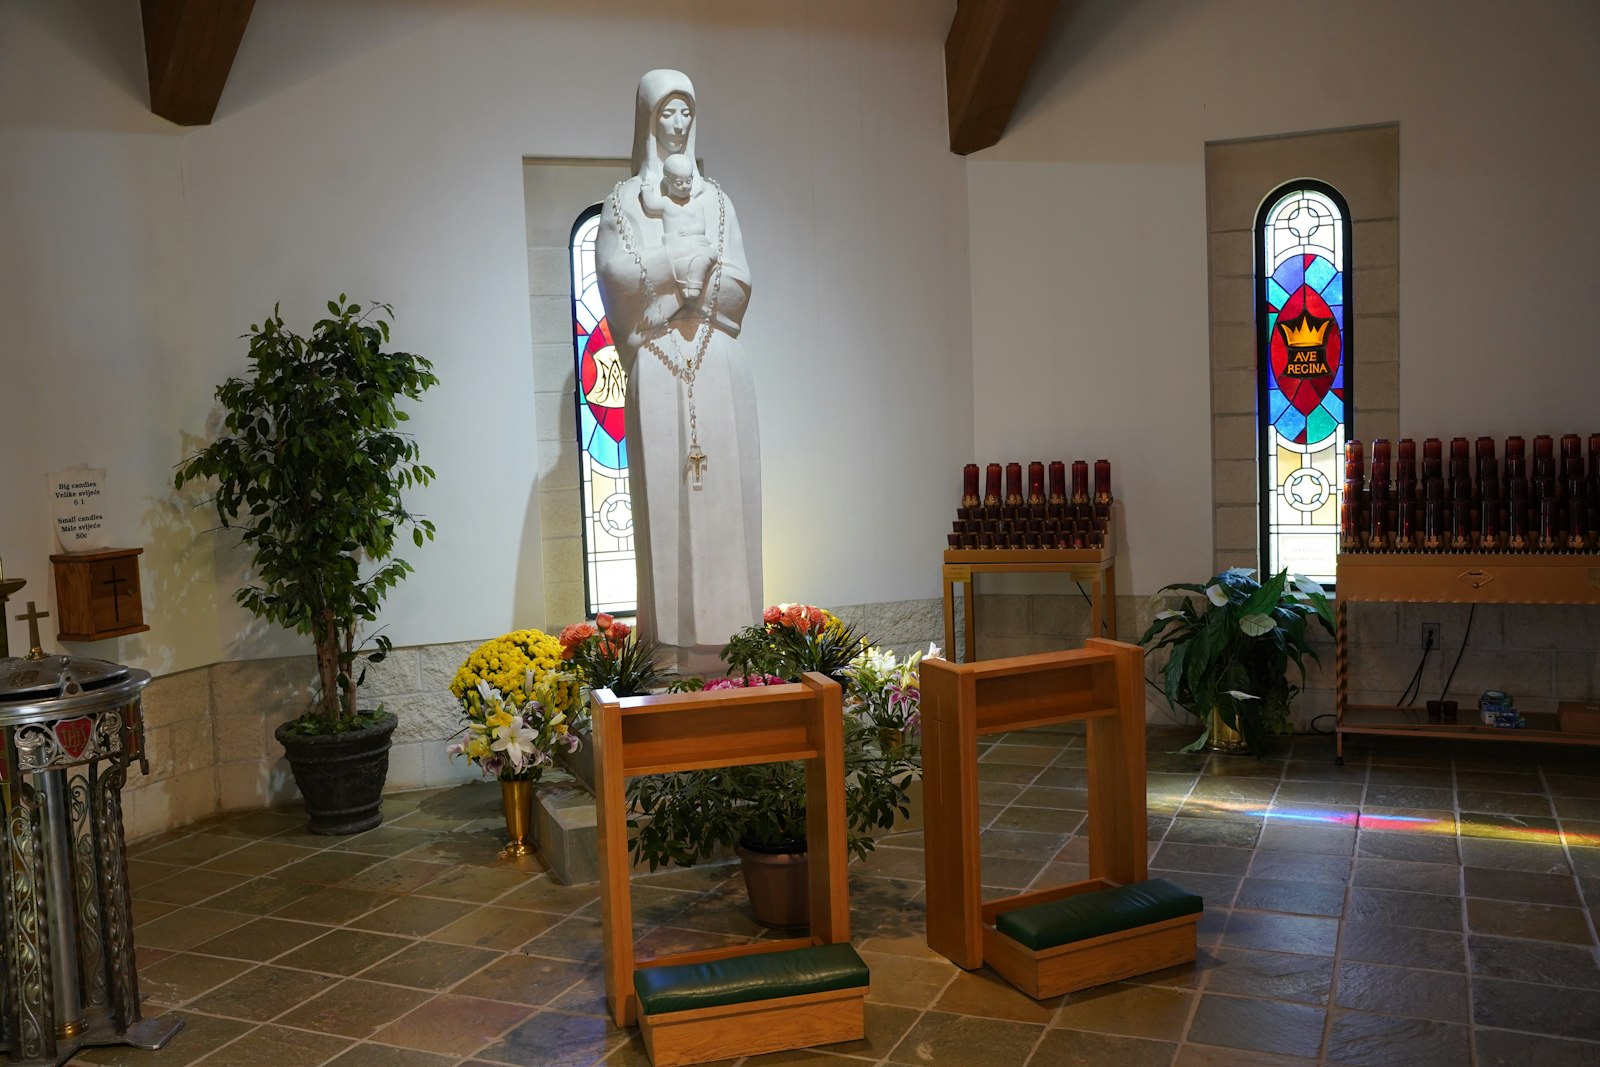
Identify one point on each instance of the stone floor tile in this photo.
(262, 993)
(1403, 946)
(258, 857)
(1489, 801)
(261, 939)
(1533, 961)
(1300, 866)
(1514, 855)
(277, 1046)
(1281, 933)
(180, 977)
(457, 1026)
(414, 916)
(1542, 922)
(1071, 1048)
(1146, 1011)
(1211, 1056)
(1358, 1039)
(188, 927)
(429, 965)
(907, 981)
(1402, 845)
(1203, 859)
(365, 1055)
(1217, 890)
(1503, 1048)
(945, 1040)
(1539, 1009)
(1431, 911)
(201, 1035)
(491, 927)
(985, 994)
(1409, 796)
(319, 904)
(344, 952)
(1301, 898)
(1319, 793)
(1403, 991)
(1258, 1025)
(354, 1008)
(1275, 975)
(518, 979)
(1413, 877)
(1304, 837)
(189, 886)
(1235, 834)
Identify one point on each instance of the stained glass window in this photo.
(610, 581)
(1304, 345)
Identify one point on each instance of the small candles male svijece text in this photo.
(1038, 509)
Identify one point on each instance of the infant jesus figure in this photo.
(683, 225)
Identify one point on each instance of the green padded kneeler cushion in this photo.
(1104, 911)
(739, 979)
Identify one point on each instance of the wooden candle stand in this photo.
(1048, 942)
(744, 1000)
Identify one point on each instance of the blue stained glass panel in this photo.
(1302, 248)
(1319, 274)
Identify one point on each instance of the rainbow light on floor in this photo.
(1395, 822)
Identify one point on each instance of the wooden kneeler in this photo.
(746, 999)
(1048, 942)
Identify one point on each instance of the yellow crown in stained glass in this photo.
(1305, 332)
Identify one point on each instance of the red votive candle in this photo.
(1058, 482)
(1407, 523)
(1461, 526)
(991, 486)
(1433, 524)
(1543, 447)
(1013, 483)
(1355, 465)
(1458, 448)
(1571, 446)
(1102, 481)
(1547, 523)
(1080, 481)
(1432, 449)
(1036, 482)
(1514, 447)
(1408, 461)
(969, 486)
(1485, 448)
(1594, 454)
(954, 539)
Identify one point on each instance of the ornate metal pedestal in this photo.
(69, 727)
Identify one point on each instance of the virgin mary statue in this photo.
(673, 276)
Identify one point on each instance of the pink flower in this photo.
(741, 682)
(620, 630)
(771, 615)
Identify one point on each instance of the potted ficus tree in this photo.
(310, 470)
(1232, 642)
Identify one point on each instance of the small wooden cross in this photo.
(32, 617)
(116, 604)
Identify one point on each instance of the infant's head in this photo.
(678, 171)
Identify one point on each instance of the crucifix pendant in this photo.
(696, 465)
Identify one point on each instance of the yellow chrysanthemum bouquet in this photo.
(521, 707)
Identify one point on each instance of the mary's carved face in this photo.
(673, 120)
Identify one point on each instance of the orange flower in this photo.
(620, 630)
(771, 615)
(603, 621)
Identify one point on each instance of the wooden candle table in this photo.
(1096, 566)
(1454, 578)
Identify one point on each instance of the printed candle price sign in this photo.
(77, 499)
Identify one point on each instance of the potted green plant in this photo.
(1231, 645)
(759, 810)
(310, 470)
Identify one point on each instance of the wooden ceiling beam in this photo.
(189, 47)
(987, 56)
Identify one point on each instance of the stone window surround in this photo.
(1364, 165)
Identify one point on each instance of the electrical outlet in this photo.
(1430, 635)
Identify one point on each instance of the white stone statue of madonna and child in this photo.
(675, 283)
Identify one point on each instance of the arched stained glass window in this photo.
(1303, 314)
(610, 580)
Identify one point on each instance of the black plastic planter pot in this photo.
(341, 775)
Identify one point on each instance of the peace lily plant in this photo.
(1232, 641)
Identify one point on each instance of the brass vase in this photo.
(1220, 737)
(516, 798)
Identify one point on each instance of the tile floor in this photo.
(1418, 906)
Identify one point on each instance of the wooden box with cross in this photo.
(97, 594)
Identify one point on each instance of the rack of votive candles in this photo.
(1483, 498)
(1040, 511)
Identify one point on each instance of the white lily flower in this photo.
(1168, 614)
(1217, 595)
(1239, 695)
(486, 691)
(517, 742)
(934, 652)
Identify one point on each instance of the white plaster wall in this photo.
(1088, 227)
(375, 147)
